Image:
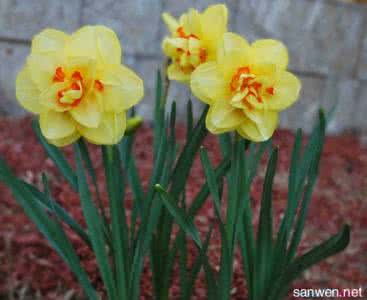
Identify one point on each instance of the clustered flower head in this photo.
(194, 39)
(246, 86)
(78, 86)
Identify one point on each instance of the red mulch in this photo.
(29, 266)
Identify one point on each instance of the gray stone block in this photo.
(322, 36)
(360, 108)
(12, 58)
(136, 22)
(362, 64)
(23, 19)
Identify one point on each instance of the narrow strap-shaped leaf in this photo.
(159, 112)
(211, 180)
(180, 217)
(290, 212)
(311, 175)
(264, 236)
(189, 119)
(115, 188)
(204, 192)
(92, 173)
(48, 227)
(186, 159)
(198, 263)
(61, 213)
(95, 227)
(56, 156)
(225, 143)
(330, 247)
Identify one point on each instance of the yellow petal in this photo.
(97, 42)
(66, 140)
(122, 88)
(269, 51)
(223, 117)
(171, 22)
(170, 45)
(48, 98)
(175, 73)
(286, 92)
(27, 92)
(56, 125)
(261, 131)
(191, 22)
(88, 112)
(233, 52)
(110, 130)
(207, 83)
(42, 68)
(214, 24)
(49, 41)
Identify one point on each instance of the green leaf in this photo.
(186, 159)
(292, 204)
(200, 260)
(211, 180)
(56, 156)
(115, 188)
(309, 170)
(51, 205)
(264, 238)
(95, 226)
(189, 120)
(332, 246)
(204, 192)
(180, 217)
(49, 227)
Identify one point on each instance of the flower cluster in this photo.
(78, 86)
(246, 86)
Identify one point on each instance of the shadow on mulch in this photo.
(30, 268)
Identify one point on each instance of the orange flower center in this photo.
(247, 91)
(191, 54)
(71, 95)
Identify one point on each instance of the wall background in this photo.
(327, 40)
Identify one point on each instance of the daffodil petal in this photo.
(171, 22)
(122, 88)
(62, 142)
(233, 52)
(207, 83)
(88, 112)
(49, 41)
(261, 131)
(56, 125)
(109, 132)
(170, 45)
(191, 22)
(269, 51)
(223, 117)
(42, 68)
(286, 92)
(27, 92)
(214, 23)
(175, 73)
(97, 42)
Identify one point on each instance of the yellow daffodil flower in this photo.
(193, 39)
(246, 87)
(78, 86)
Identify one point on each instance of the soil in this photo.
(30, 269)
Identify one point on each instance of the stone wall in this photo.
(327, 40)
